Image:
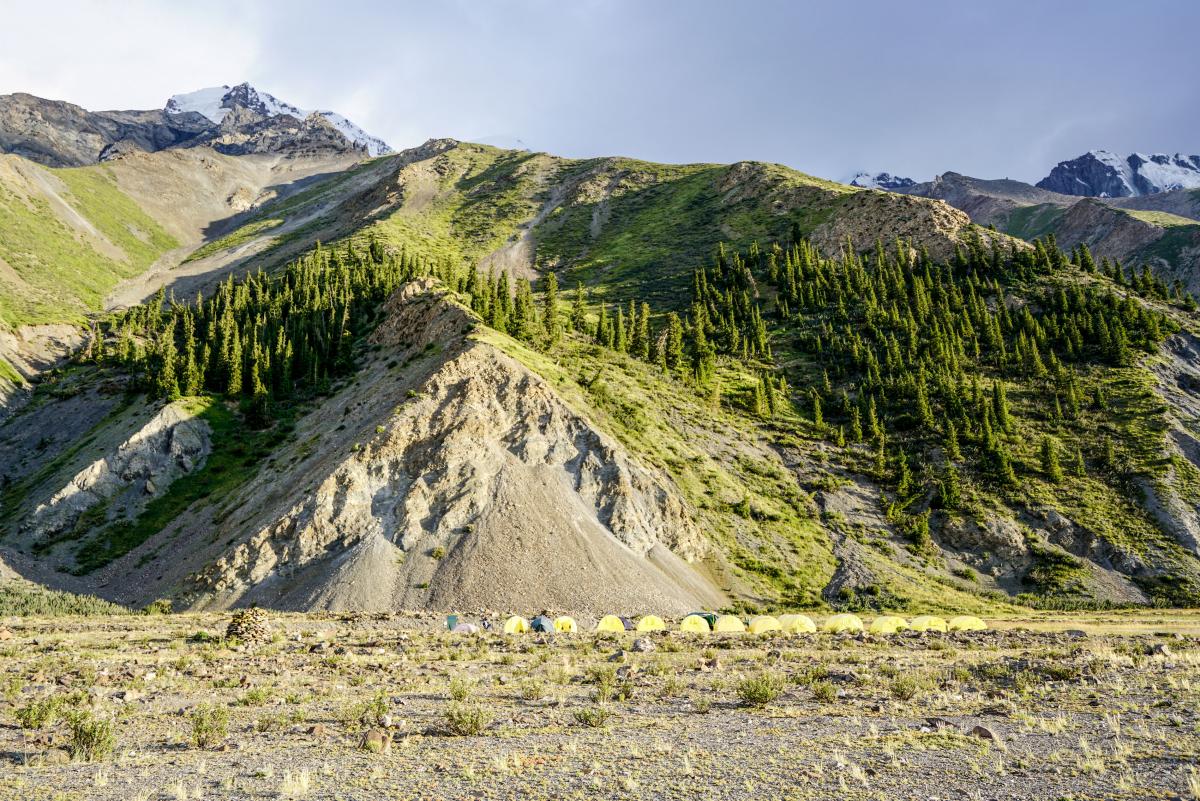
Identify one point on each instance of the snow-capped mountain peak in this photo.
(1102, 173)
(881, 180)
(215, 102)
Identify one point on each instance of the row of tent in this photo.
(706, 622)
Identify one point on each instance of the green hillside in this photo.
(67, 240)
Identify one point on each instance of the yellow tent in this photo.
(565, 625)
(516, 625)
(888, 624)
(838, 624)
(966, 623)
(651, 623)
(927, 623)
(695, 624)
(763, 623)
(610, 623)
(729, 623)
(797, 624)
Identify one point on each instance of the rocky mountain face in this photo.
(881, 180)
(237, 120)
(1100, 173)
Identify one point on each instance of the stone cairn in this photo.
(250, 626)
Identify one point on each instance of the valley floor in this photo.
(1082, 707)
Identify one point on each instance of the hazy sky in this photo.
(989, 89)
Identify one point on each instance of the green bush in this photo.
(824, 691)
(461, 689)
(92, 738)
(210, 725)
(760, 690)
(466, 720)
(41, 712)
(594, 716)
(904, 688)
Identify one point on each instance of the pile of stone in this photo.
(250, 626)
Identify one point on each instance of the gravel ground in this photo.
(1104, 708)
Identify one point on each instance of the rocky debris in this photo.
(643, 645)
(171, 444)
(250, 626)
(377, 741)
(984, 733)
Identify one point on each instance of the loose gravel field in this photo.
(395, 707)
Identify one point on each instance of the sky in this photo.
(913, 87)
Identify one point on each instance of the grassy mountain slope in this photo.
(67, 237)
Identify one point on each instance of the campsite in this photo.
(356, 706)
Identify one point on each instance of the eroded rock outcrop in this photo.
(482, 488)
(172, 444)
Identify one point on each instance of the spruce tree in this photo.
(166, 383)
(673, 352)
(579, 308)
(550, 322)
(642, 335)
(1049, 458)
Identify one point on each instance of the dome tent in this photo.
(695, 624)
(797, 624)
(465, 628)
(610, 623)
(729, 624)
(565, 624)
(763, 624)
(542, 624)
(887, 624)
(843, 623)
(651, 623)
(927, 623)
(966, 623)
(516, 625)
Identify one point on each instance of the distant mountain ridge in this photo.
(234, 120)
(1101, 173)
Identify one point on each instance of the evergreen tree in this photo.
(641, 339)
(550, 321)
(673, 352)
(950, 488)
(1050, 465)
(166, 384)
(579, 308)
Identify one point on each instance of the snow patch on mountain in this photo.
(881, 180)
(374, 145)
(206, 102)
(1168, 172)
(215, 103)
